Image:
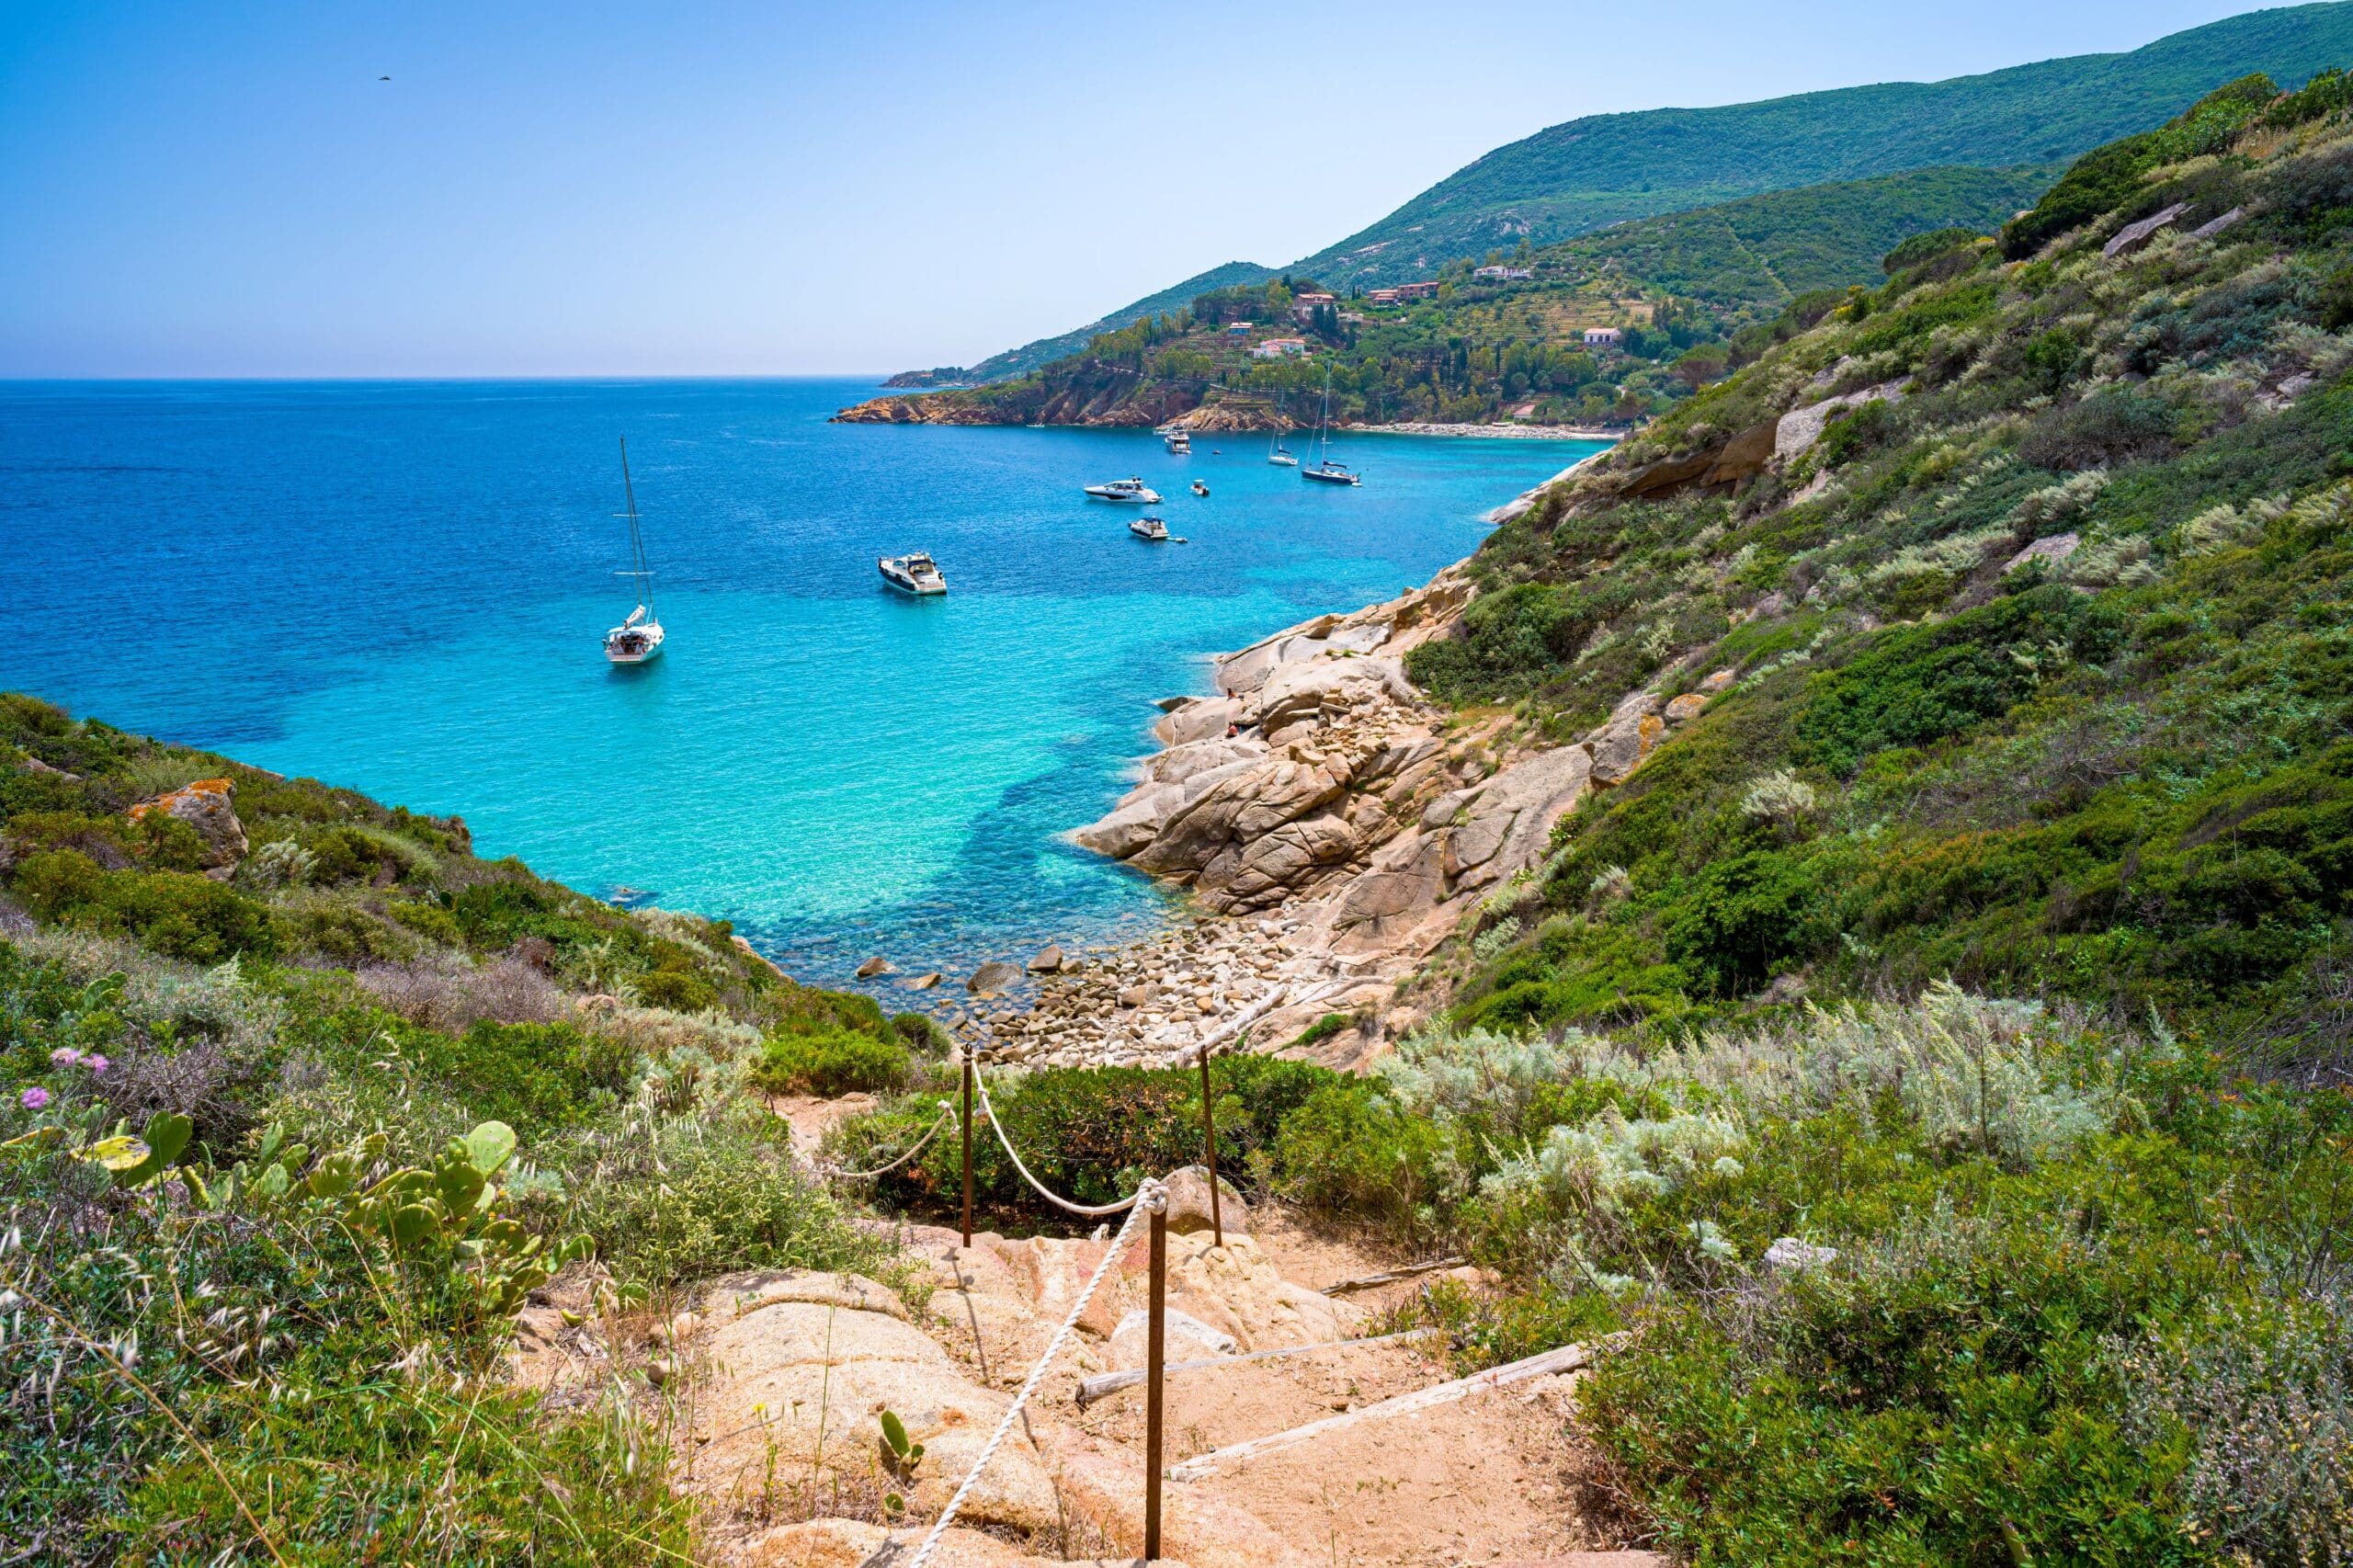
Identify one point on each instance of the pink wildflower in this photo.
(36, 1097)
(65, 1056)
(97, 1064)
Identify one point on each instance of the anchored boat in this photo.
(639, 639)
(1151, 528)
(1134, 490)
(1276, 453)
(1324, 468)
(915, 574)
(1177, 441)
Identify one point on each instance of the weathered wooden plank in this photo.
(1103, 1383)
(1567, 1359)
(1391, 1276)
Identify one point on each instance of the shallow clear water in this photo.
(402, 587)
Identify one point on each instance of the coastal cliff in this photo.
(1321, 799)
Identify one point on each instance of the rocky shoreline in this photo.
(1334, 829)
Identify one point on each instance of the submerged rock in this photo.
(993, 976)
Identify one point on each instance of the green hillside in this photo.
(1705, 284)
(1030, 356)
(2108, 766)
(1769, 249)
(1601, 169)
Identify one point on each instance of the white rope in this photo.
(946, 1111)
(1092, 1210)
(1150, 1197)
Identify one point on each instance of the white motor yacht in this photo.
(1151, 528)
(639, 639)
(1177, 441)
(1134, 490)
(914, 574)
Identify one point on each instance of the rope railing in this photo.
(1089, 1210)
(946, 1112)
(1150, 1197)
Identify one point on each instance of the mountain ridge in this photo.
(2051, 110)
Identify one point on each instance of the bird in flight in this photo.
(383, 78)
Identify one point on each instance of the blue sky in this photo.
(193, 189)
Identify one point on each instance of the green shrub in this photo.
(179, 915)
(2113, 426)
(704, 1198)
(831, 1061)
(1852, 435)
(1347, 1152)
(1919, 248)
(429, 921)
(923, 1034)
(676, 990)
(1922, 684)
(1941, 1400)
(537, 1077)
(1322, 1030)
(1742, 920)
(1092, 1133)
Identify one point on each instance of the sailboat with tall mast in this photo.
(637, 640)
(1276, 453)
(1324, 468)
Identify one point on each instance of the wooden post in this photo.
(1209, 1137)
(968, 1143)
(1155, 1346)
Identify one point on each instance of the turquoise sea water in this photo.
(401, 587)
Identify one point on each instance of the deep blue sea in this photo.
(402, 588)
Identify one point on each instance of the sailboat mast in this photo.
(636, 538)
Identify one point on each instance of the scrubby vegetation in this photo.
(2035, 662)
(2038, 642)
(292, 1127)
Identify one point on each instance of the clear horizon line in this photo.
(499, 376)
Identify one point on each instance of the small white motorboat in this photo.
(914, 574)
(1200, 489)
(637, 640)
(1151, 528)
(1134, 490)
(1177, 441)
